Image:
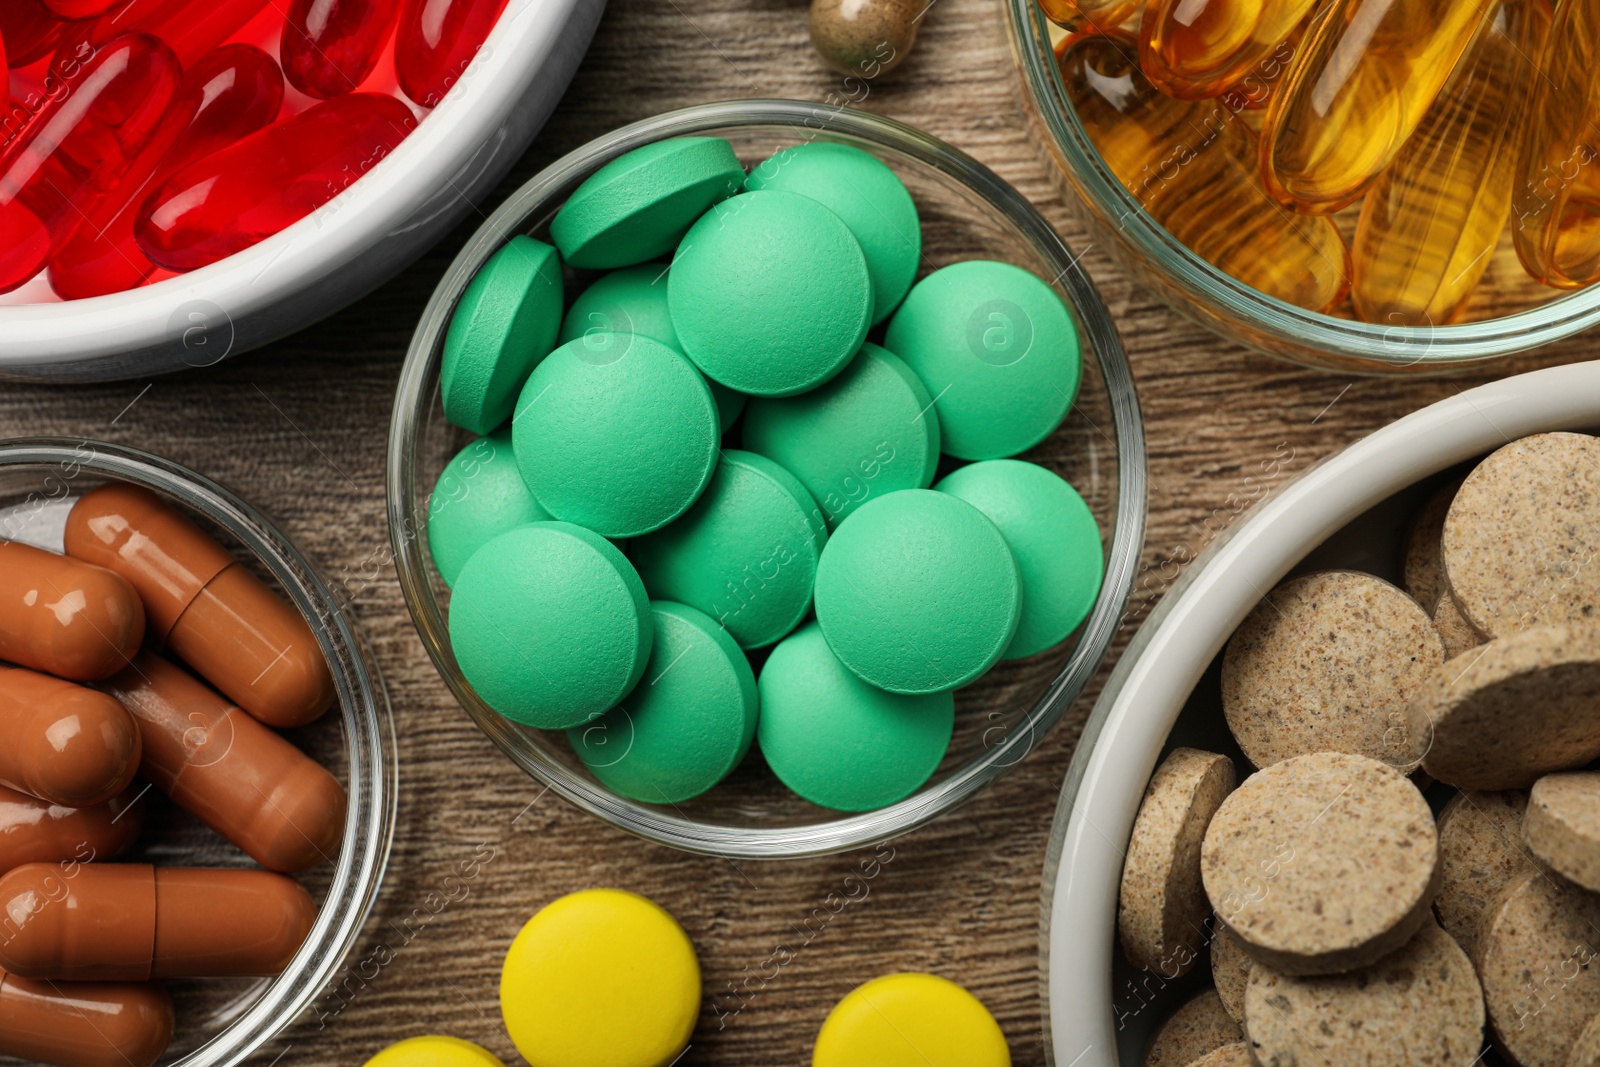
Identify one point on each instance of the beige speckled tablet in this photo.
(1537, 963)
(1235, 1055)
(1163, 909)
(1480, 853)
(1563, 825)
(1197, 1029)
(1322, 863)
(1424, 565)
(1503, 715)
(1327, 663)
(1230, 969)
(1419, 1005)
(1522, 538)
(1586, 1053)
(1455, 631)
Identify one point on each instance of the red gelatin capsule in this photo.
(191, 28)
(436, 41)
(229, 94)
(275, 177)
(330, 46)
(79, 9)
(29, 30)
(79, 145)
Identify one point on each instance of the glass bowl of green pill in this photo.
(742, 318)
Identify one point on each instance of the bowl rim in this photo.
(363, 704)
(1439, 347)
(407, 519)
(1151, 683)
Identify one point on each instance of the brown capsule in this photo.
(131, 922)
(66, 617)
(37, 831)
(215, 615)
(45, 1021)
(865, 38)
(237, 776)
(63, 743)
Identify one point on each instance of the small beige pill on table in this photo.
(1322, 863)
(1419, 1005)
(1235, 1055)
(1562, 826)
(1162, 910)
(1455, 631)
(1327, 663)
(1230, 969)
(1586, 1053)
(1480, 853)
(1537, 962)
(1521, 541)
(1513, 710)
(1197, 1029)
(1424, 563)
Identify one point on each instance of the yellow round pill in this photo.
(910, 1020)
(600, 978)
(435, 1051)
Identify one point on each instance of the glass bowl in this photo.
(967, 212)
(222, 1022)
(1118, 222)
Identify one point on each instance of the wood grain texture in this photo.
(299, 428)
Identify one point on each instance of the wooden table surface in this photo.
(299, 428)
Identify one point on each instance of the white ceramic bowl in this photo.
(1348, 511)
(345, 249)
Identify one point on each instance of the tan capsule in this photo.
(63, 743)
(237, 776)
(131, 922)
(215, 615)
(37, 831)
(66, 617)
(44, 1021)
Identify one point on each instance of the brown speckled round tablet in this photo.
(1503, 715)
(1424, 565)
(1537, 961)
(1586, 1053)
(1419, 1005)
(1480, 853)
(1327, 663)
(1162, 911)
(1562, 826)
(1197, 1029)
(1522, 538)
(1322, 863)
(1455, 631)
(1235, 1055)
(1230, 969)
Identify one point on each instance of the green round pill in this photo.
(686, 724)
(746, 554)
(480, 494)
(999, 350)
(770, 293)
(870, 430)
(868, 196)
(634, 300)
(1052, 534)
(504, 324)
(917, 592)
(550, 625)
(616, 432)
(638, 206)
(839, 742)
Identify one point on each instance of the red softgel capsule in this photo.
(256, 187)
(78, 146)
(30, 31)
(228, 95)
(330, 46)
(191, 28)
(78, 9)
(436, 41)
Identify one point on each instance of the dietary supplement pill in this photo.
(480, 494)
(44, 1022)
(65, 617)
(63, 743)
(910, 1020)
(1562, 826)
(1480, 854)
(1200, 1027)
(435, 1050)
(37, 831)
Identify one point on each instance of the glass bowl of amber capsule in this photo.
(1377, 186)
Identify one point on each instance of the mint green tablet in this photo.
(917, 592)
(870, 430)
(639, 205)
(1052, 534)
(770, 294)
(999, 350)
(746, 554)
(550, 625)
(837, 741)
(479, 495)
(686, 724)
(504, 324)
(616, 432)
(868, 196)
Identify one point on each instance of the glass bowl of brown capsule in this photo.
(207, 808)
(1348, 184)
(966, 213)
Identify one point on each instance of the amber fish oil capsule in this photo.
(1197, 49)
